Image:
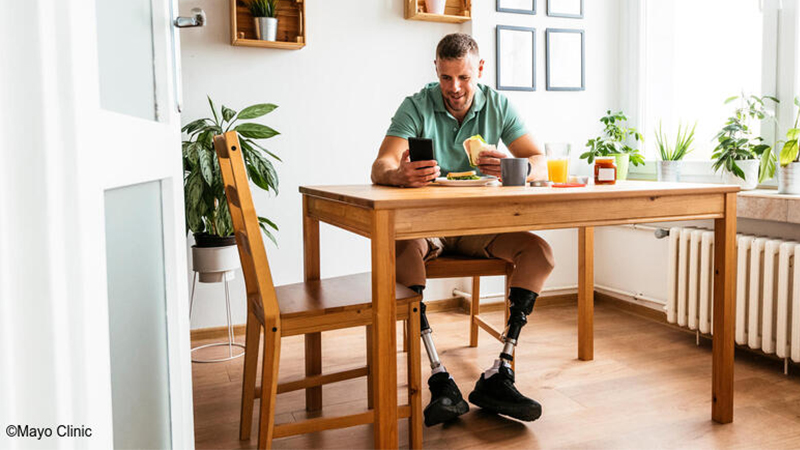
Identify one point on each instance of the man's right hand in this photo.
(417, 173)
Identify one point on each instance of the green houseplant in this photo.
(669, 167)
(614, 142)
(789, 158)
(207, 214)
(738, 150)
(265, 17)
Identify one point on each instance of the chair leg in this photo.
(269, 384)
(314, 367)
(370, 399)
(405, 336)
(414, 378)
(474, 310)
(252, 338)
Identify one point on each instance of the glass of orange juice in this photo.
(557, 162)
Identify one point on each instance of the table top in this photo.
(388, 197)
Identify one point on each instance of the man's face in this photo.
(459, 79)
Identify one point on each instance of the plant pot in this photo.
(789, 179)
(214, 264)
(435, 6)
(210, 240)
(623, 160)
(266, 28)
(750, 169)
(669, 171)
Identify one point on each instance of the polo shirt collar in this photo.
(478, 100)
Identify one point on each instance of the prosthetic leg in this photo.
(446, 400)
(495, 389)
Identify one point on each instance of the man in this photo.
(448, 112)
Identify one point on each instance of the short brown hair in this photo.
(456, 46)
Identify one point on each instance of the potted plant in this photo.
(789, 157)
(207, 214)
(614, 142)
(745, 159)
(265, 16)
(669, 167)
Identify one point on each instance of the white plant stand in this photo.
(214, 265)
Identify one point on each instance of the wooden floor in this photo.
(648, 387)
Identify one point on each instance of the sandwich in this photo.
(463, 176)
(474, 146)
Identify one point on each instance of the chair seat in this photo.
(453, 266)
(332, 295)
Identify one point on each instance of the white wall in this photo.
(336, 98)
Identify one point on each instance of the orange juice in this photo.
(558, 170)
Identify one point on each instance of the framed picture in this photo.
(517, 6)
(565, 59)
(516, 58)
(565, 8)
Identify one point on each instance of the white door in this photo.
(137, 143)
(94, 306)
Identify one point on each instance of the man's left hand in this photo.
(489, 162)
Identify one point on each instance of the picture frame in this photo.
(571, 9)
(516, 58)
(565, 59)
(516, 6)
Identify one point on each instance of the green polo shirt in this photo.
(424, 115)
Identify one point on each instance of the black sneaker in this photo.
(446, 401)
(498, 394)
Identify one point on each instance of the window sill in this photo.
(767, 204)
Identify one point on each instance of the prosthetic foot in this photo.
(498, 394)
(446, 401)
(495, 390)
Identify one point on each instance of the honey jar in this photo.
(605, 170)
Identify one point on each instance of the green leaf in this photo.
(193, 126)
(255, 131)
(227, 113)
(268, 233)
(255, 111)
(268, 222)
(730, 99)
(252, 142)
(213, 110)
(789, 153)
(206, 164)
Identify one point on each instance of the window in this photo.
(695, 55)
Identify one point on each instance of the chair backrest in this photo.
(261, 298)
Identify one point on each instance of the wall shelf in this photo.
(291, 26)
(455, 11)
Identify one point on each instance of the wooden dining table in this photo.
(387, 214)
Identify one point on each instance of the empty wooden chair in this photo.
(301, 308)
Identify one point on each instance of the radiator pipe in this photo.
(660, 233)
(660, 304)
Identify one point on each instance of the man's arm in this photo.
(393, 167)
(522, 147)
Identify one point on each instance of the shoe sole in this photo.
(525, 414)
(446, 415)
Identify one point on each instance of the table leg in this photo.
(313, 347)
(586, 293)
(384, 349)
(723, 342)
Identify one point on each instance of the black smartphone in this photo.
(420, 149)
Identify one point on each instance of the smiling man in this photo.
(449, 112)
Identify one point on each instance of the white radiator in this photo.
(767, 289)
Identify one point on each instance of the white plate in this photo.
(463, 183)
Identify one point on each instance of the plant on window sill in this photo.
(789, 158)
(736, 142)
(207, 211)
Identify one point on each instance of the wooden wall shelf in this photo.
(291, 26)
(455, 11)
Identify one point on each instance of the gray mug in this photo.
(514, 171)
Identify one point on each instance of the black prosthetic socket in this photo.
(423, 319)
(522, 301)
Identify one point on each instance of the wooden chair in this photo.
(463, 266)
(302, 308)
